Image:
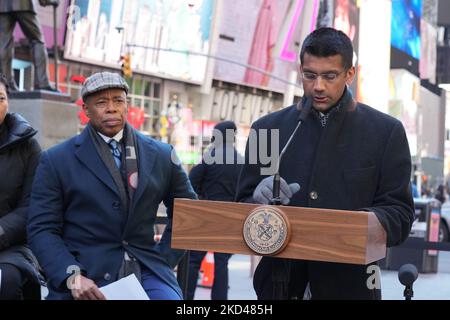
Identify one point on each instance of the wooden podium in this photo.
(315, 234)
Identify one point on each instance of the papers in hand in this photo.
(127, 288)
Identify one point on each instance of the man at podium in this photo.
(346, 156)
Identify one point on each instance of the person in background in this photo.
(440, 193)
(215, 180)
(19, 156)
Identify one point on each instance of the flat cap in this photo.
(101, 81)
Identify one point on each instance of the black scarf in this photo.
(126, 178)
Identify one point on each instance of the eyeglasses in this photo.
(328, 76)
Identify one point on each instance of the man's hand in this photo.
(83, 288)
(264, 191)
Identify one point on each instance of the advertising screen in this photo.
(45, 17)
(162, 36)
(405, 26)
(374, 54)
(427, 64)
(262, 35)
(346, 19)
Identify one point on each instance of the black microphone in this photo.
(407, 274)
(306, 108)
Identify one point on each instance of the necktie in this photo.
(115, 150)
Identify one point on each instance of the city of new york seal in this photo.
(266, 230)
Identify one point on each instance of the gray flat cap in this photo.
(101, 81)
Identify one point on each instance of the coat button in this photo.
(116, 205)
(107, 277)
(313, 195)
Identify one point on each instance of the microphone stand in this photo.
(276, 200)
(408, 293)
(407, 274)
(281, 283)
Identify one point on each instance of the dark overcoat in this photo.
(359, 161)
(19, 156)
(76, 218)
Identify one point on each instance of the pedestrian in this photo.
(215, 178)
(440, 193)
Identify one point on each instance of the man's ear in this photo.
(86, 110)
(350, 75)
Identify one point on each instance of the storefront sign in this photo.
(242, 108)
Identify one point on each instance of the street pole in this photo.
(290, 90)
(55, 44)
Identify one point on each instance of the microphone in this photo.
(407, 274)
(306, 108)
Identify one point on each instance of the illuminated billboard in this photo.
(374, 46)
(405, 26)
(162, 36)
(264, 37)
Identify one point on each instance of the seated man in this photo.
(95, 199)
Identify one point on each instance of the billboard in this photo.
(166, 38)
(374, 53)
(405, 26)
(346, 19)
(428, 58)
(263, 37)
(403, 103)
(45, 17)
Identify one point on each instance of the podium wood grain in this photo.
(316, 234)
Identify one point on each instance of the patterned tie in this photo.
(115, 149)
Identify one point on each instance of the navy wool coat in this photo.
(76, 219)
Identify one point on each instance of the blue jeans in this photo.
(157, 289)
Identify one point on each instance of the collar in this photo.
(3, 133)
(337, 106)
(117, 137)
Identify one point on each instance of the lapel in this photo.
(85, 152)
(147, 154)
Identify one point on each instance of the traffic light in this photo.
(126, 65)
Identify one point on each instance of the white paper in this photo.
(127, 288)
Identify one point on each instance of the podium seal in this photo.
(266, 230)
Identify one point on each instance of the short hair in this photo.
(327, 42)
(222, 127)
(4, 81)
